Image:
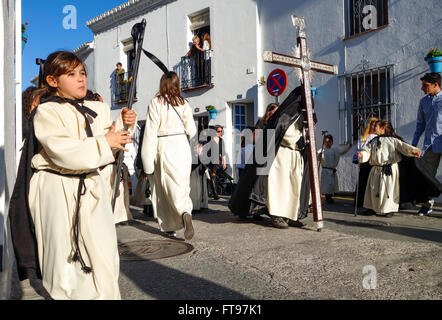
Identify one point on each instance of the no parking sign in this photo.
(276, 82)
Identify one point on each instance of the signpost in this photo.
(276, 83)
(302, 61)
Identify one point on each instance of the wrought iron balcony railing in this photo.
(122, 86)
(195, 71)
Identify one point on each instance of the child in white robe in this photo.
(383, 153)
(68, 199)
(329, 162)
(167, 158)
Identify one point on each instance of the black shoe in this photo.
(171, 234)
(425, 211)
(367, 212)
(279, 223)
(389, 214)
(296, 224)
(257, 217)
(216, 197)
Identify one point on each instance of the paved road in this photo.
(235, 259)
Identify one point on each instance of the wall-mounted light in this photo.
(262, 81)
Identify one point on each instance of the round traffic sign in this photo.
(276, 82)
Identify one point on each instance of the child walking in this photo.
(329, 161)
(167, 158)
(383, 153)
(68, 199)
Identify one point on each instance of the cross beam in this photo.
(301, 60)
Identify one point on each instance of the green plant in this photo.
(23, 27)
(210, 107)
(434, 52)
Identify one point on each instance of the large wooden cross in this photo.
(302, 61)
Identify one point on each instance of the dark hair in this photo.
(432, 77)
(328, 136)
(270, 108)
(119, 64)
(388, 128)
(170, 88)
(57, 64)
(28, 96)
(90, 96)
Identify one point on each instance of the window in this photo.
(123, 81)
(365, 15)
(239, 117)
(364, 94)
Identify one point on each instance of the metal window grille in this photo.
(364, 94)
(356, 16)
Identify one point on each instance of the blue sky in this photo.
(47, 34)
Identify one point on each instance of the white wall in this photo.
(233, 34)
(241, 30)
(414, 29)
(7, 146)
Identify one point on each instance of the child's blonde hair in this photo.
(366, 132)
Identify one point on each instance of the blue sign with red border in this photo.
(276, 82)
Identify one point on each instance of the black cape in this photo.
(250, 195)
(20, 219)
(416, 183)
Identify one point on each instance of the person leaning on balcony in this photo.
(196, 53)
(119, 76)
(429, 122)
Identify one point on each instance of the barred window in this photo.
(364, 94)
(365, 15)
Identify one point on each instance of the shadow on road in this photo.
(418, 233)
(164, 283)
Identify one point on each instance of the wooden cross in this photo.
(302, 61)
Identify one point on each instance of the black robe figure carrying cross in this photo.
(301, 60)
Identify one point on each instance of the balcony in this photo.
(121, 88)
(195, 72)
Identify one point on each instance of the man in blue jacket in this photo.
(429, 122)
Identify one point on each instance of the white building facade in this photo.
(378, 46)
(10, 128)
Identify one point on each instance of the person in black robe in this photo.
(250, 195)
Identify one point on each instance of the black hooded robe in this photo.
(250, 195)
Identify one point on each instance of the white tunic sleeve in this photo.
(63, 149)
(405, 148)
(366, 153)
(150, 139)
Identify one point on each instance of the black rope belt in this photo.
(80, 192)
(332, 169)
(386, 169)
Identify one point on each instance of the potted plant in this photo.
(24, 36)
(212, 111)
(434, 60)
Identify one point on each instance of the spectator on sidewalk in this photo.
(429, 122)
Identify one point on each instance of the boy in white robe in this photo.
(330, 156)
